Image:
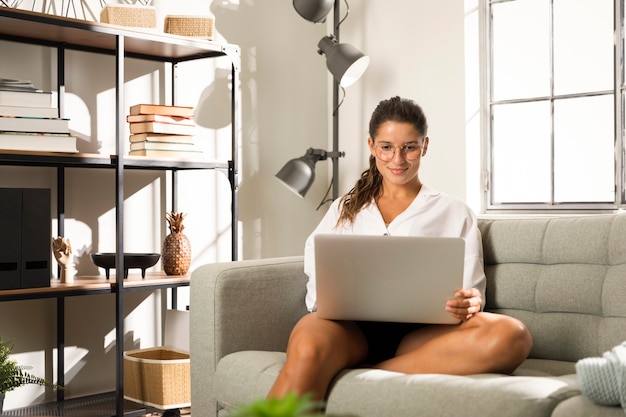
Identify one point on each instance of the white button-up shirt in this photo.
(430, 214)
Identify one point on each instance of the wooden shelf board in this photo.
(93, 160)
(88, 285)
(51, 29)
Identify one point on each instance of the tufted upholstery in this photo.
(565, 278)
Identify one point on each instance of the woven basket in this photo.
(129, 15)
(197, 26)
(158, 377)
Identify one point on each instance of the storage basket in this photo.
(129, 15)
(197, 26)
(158, 377)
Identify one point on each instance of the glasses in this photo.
(385, 151)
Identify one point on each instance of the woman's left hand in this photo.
(465, 304)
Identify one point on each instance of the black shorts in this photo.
(383, 338)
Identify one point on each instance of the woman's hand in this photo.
(465, 304)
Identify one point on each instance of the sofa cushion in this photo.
(581, 406)
(242, 377)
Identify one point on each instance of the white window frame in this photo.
(619, 92)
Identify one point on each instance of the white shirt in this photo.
(430, 214)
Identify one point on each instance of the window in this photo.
(553, 83)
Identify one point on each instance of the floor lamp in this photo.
(346, 64)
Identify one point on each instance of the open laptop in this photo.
(387, 278)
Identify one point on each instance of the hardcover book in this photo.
(34, 124)
(158, 137)
(180, 111)
(133, 118)
(172, 146)
(157, 127)
(40, 142)
(162, 153)
(25, 98)
(29, 111)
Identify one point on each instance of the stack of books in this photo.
(162, 131)
(30, 122)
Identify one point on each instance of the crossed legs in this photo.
(318, 349)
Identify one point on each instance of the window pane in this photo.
(521, 49)
(584, 163)
(521, 153)
(583, 46)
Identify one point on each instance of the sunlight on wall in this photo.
(75, 359)
(473, 194)
(141, 335)
(80, 119)
(142, 219)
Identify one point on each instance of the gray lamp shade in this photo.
(298, 174)
(343, 60)
(313, 10)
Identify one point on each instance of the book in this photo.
(25, 98)
(172, 146)
(163, 153)
(29, 111)
(133, 118)
(41, 142)
(158, 137)
(17, 85)
(158, 127)
(180, 111)
(34, 124)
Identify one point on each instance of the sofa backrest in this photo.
(565, 278)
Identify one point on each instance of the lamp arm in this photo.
(335, 154)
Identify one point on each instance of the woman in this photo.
(389, 199)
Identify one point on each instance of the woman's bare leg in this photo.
(485, 343)
(317, 350)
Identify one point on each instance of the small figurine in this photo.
(62, 250)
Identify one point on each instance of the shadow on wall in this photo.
(284, 111)
(207, 114)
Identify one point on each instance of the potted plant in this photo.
(13, 375)
(290, 405)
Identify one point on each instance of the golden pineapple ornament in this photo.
(176, 253)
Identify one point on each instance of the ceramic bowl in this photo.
(131, 260)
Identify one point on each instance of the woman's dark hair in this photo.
(368, 187)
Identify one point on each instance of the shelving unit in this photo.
(74, 34)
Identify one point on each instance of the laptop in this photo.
(387, 278)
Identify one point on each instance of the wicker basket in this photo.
(129, 15)
(197, 26)
(158, 377)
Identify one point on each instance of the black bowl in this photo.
(131, 260)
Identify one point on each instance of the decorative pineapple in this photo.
(176, 253)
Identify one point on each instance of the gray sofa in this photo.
(565, 278)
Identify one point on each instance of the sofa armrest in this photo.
(242, 305)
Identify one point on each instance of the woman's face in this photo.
(398, 148)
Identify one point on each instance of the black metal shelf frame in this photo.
(65, 33)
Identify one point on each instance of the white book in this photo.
(39, 142)
(170, 146)
(29, 111)
(25, 98)
(158, 137)
(159, 127)
(34, 124)
(134, 118)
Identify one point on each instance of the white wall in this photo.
(416, 51)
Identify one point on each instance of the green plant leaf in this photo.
(12, 375)
(288, 406)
